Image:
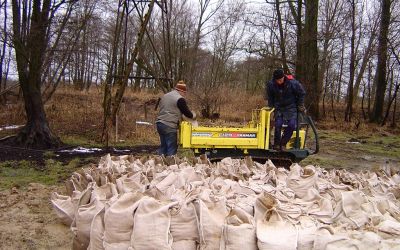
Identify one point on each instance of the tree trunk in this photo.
(339, 87)
(310, 56)
(382, 58)
(362, 103)
(393, 123)
(349, 99)
(365, 59)
(36, 133)
(3, 53)
(111, 68)
(332, 100)
(390, 104)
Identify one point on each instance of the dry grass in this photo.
(358, 124)
(77, 116)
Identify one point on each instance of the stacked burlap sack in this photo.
(157, 203)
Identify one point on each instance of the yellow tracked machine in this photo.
(251, 140)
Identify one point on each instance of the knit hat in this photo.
(181, 86)
(278, 74)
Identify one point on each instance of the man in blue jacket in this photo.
(286, 95)
(172, 106)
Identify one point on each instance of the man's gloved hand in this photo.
(301, 108)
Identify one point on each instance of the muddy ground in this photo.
(27, 220)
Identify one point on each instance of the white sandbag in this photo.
(211, 215)
(326, 239)
(184, 245)
(307, 197)
(390, 227)
(167, 182)
(83, 220)
(323, 210)
(63, 207)
(186, 176)
(264, 202)
(97, 231)
(105, 164)
(152, 225)
(84, 197)
(366, 240)
(118, 220)
(307, 233)
(78, 181)
(301, 180)
(117, 164)
(184, 223)
(275, 233)
(105, 192)
(351, 203)
(129, 183)
(239, 231)
(247, 204)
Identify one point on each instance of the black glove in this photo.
(301, 108)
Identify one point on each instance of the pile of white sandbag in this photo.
(157, 203)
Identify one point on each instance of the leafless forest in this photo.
(345, 52)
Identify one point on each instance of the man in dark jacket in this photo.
(286, 95)
(172, 106)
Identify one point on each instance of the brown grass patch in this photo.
(78, 115)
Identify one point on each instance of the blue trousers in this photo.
(287, 132)
(168, 139)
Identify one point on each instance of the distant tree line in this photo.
(345, 52)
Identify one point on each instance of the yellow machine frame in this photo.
(255, 135)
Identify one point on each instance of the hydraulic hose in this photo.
(311, 122)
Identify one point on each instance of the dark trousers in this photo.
(287, 132)
(168, 139)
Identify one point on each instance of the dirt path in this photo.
(28, 221)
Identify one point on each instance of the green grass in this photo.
(372, 144)
(325, 162)
(49, 154)
(80, 141)
(20, 174)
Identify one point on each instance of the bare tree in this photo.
(31, 24)
(350, 86)
(282, 39)
(330, 30)
(367, 55)
(3, 50)
(331, 23)
(216, 70)
(206, 13)
(112, 103)
(65, 46)
(111, 69)
(380, 77)
(309, 76)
